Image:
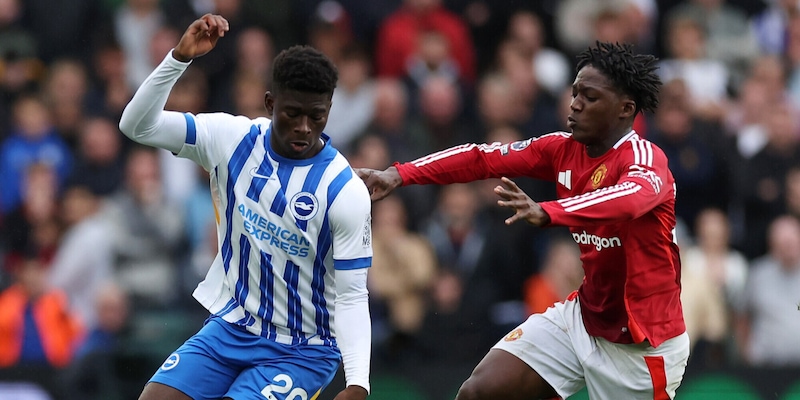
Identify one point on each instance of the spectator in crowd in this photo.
(135, 23)
(110, 90)
(768, 327)
(64, 91)
(400, 280)
(561, 273)
(771, 25)
(94, 373)
(399, 35)
(99, 157)
(729, 34)
(698, 152)
(33, 140)
(146, 233)
(353, 103)
(761, 178)
(687, 59)
(76, 271)
(37, 328)
(713, 277)
(551, 67)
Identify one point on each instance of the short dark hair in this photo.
(633, 74)
(305, 69)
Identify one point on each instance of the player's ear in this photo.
(628, 108)
(269, 103)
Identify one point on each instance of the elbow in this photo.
(127, 125)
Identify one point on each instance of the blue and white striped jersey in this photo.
(284, 225)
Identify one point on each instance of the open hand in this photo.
(525, 208)
(380, 183)
(200, 37)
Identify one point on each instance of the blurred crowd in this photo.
(102, 241)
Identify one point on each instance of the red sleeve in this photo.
(472, 162)
(645, 182)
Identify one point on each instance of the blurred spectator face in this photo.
(190, 92)
(228, 8)
(391, 103)
(458, 204)
(782, 126)
(77, 203)
(112, 308)
(40, 193)
(433, 49)
(254, 51)
(518, 69)
(354, 69)
(371, 152)
(32, 117)
(389, 216)
(32, 275)
(162, 42)
(611, 26)
(673, 116)
(563, 264)
(712, 229)
(9, 11)
(686, 40)
(440, 101)
(67, 82)
(143, 176)
(422, 5)
(784, 241)
(100, 141)
(793, 191)
(496, 100)
(769, 71)
(525, 29)
(248, 97)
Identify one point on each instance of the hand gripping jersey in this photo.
(620, 208)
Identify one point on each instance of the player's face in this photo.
(298, 119)
(598, 112)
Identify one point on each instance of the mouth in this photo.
(299, 146)
(571, 122)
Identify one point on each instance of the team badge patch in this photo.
(304, 206)
(598, 175)
(171, 362)
(520, 145)
(513, 335)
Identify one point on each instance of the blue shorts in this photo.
(225, 360)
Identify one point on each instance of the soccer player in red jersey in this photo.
(621, 334)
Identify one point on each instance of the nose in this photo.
(303, 125)
(575, 104)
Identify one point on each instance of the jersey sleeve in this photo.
(351, 226)
(470, 162)
(204, 138)
(644, 183)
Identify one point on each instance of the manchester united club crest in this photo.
(513, 335)
(598, 175)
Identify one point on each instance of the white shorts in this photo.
(555, 344)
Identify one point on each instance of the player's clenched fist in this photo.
(200, 37)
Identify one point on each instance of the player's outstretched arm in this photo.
(200, 37)
(524, 207)
(380, 183)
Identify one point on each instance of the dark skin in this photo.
(298, 119)
(600, 116)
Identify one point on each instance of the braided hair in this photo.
(633, 74)
(304, 69)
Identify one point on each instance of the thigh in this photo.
(297, 372)
(202, 368)
(502, 375)
(637, 371)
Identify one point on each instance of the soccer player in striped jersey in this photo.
(287, 291)
(622, 334)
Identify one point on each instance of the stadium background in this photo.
(80, 205)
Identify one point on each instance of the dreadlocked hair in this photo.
(304, 69)
(634, 74)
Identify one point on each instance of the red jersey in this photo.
(620, 208)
